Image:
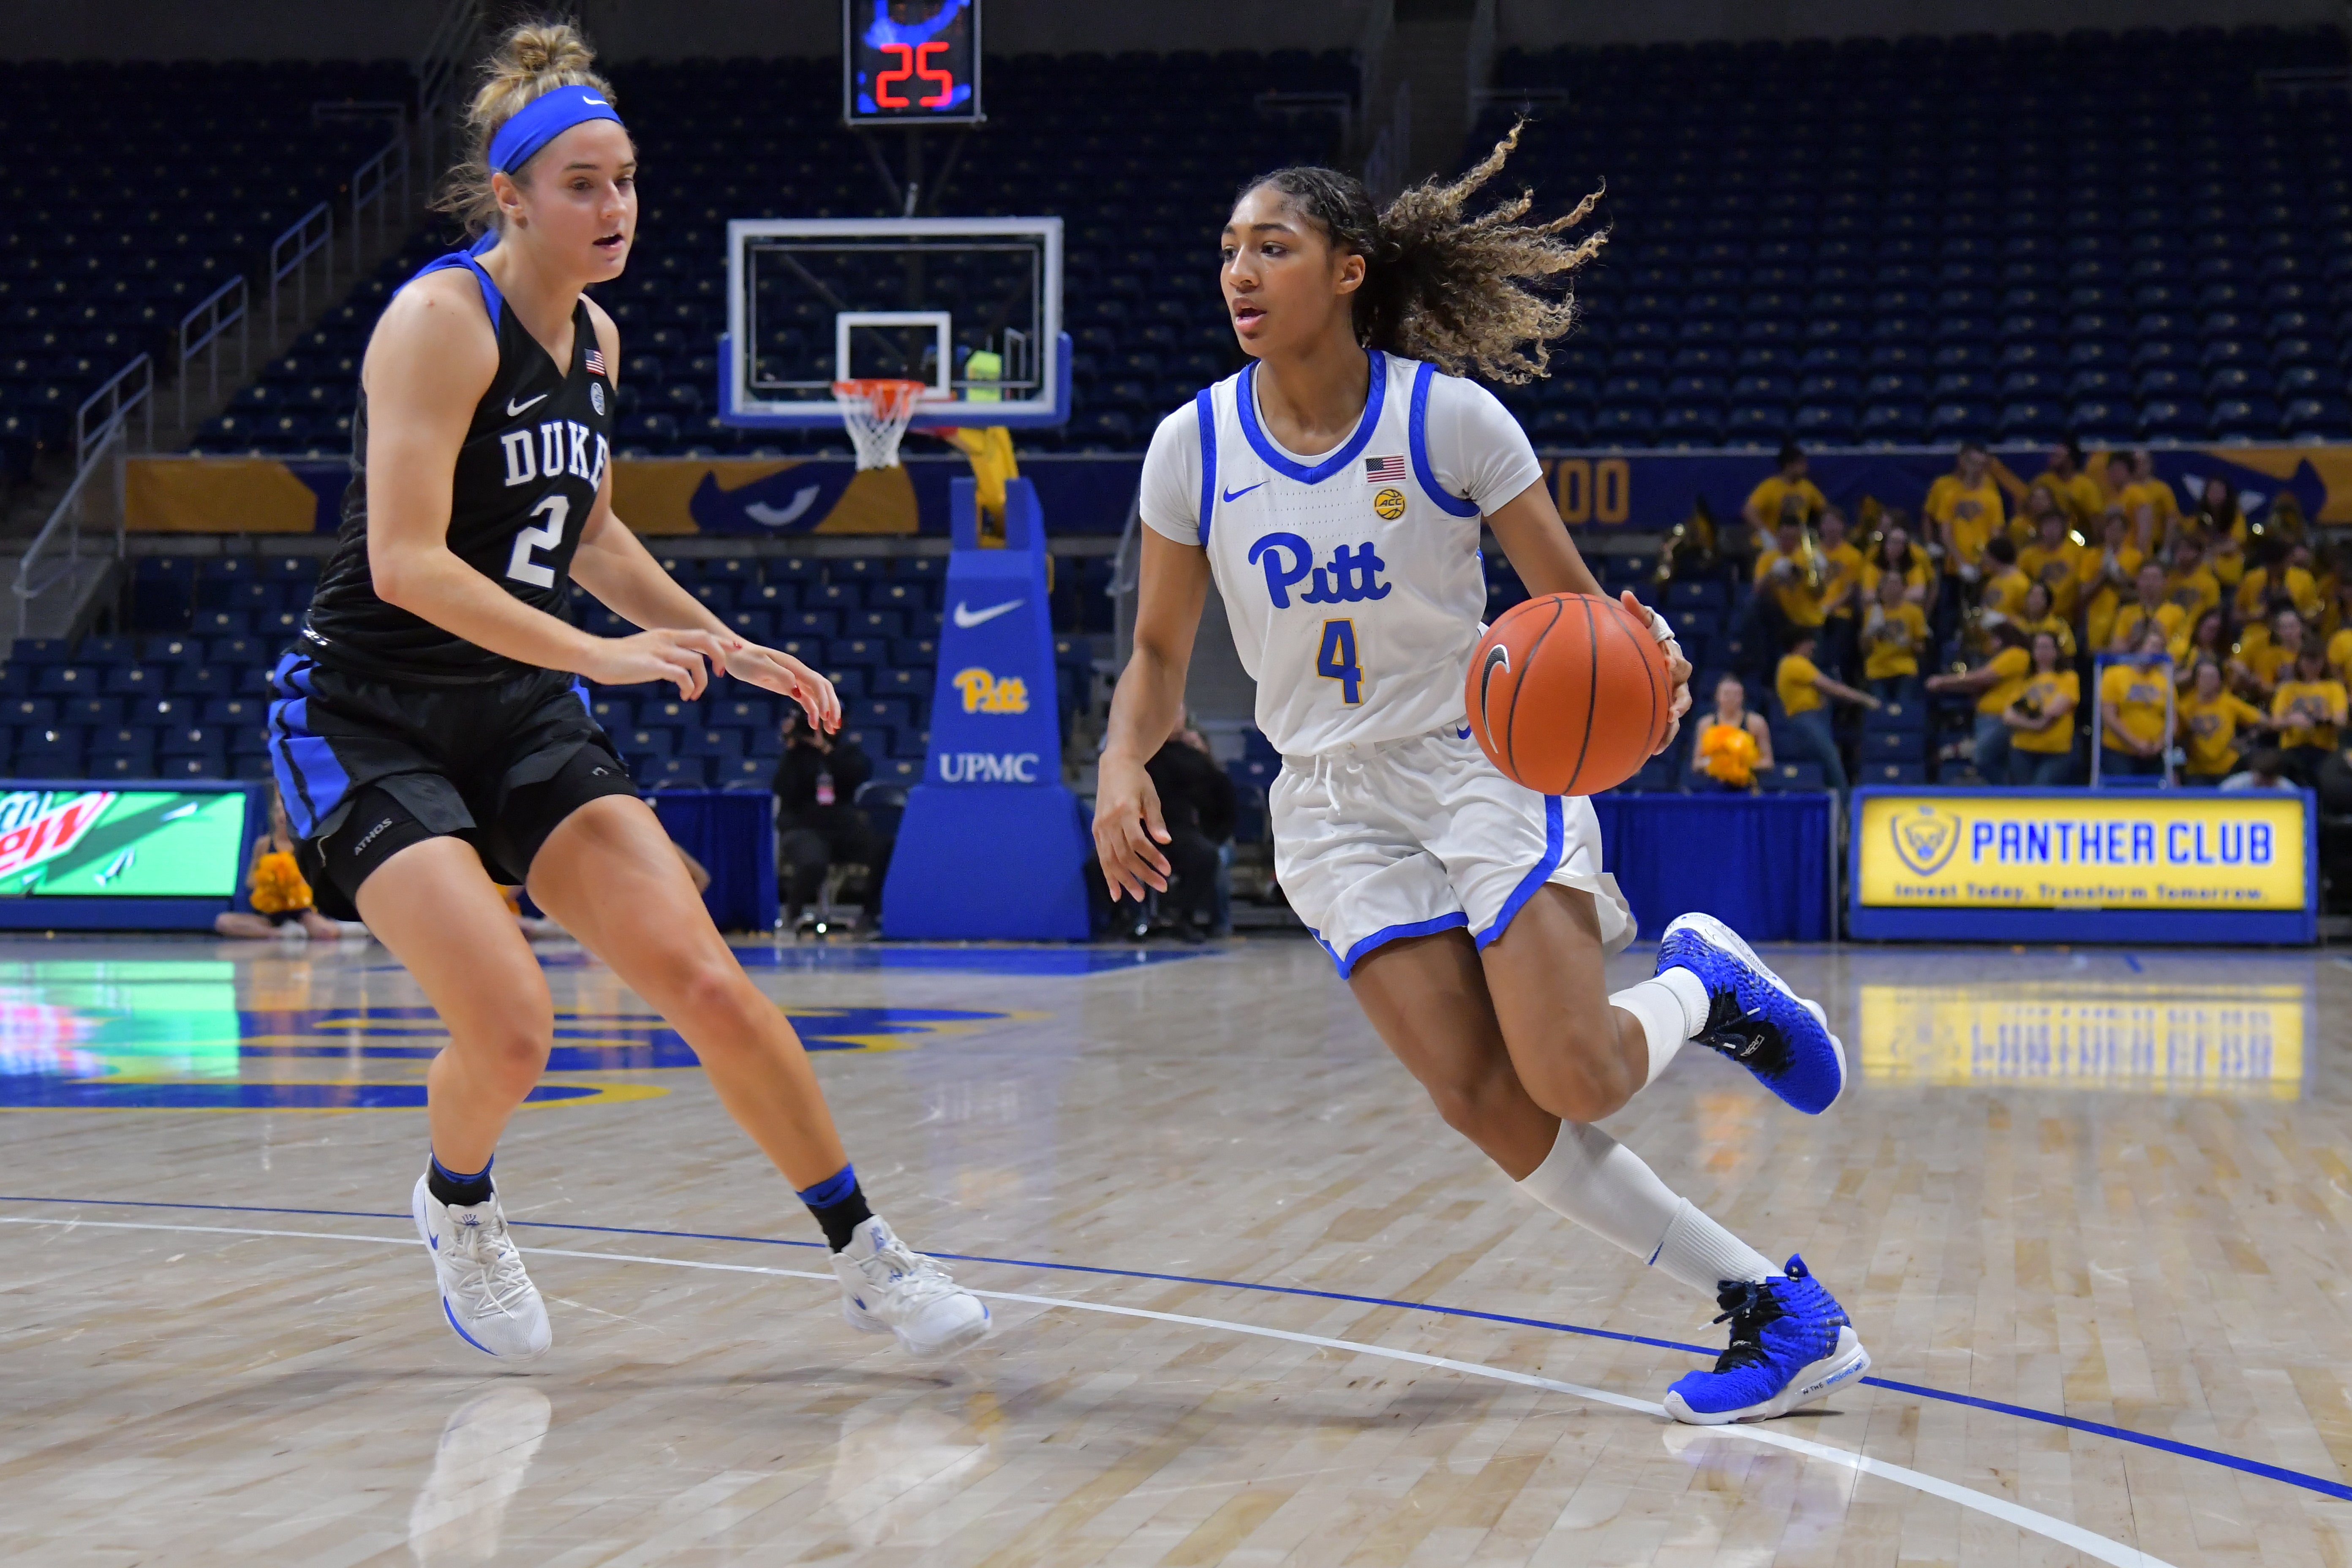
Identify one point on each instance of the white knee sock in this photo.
(1672, 1007)
(1602, 1185)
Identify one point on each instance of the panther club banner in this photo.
(2118, 864)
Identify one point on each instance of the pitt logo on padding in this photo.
(1353, 577)
(983, 693)
(1925, 841)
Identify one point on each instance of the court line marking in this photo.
(2178, 1449)
(2065, 1534)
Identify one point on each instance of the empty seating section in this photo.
(134, 190)
(186, 694)
(2125, 236)
(1143, 187)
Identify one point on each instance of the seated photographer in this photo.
(818, 824)
(1197, 809)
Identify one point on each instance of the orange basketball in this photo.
(1568, 694)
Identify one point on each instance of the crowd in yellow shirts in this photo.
(2092, 603)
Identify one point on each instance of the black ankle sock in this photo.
(447, 1187)
(839, 1205)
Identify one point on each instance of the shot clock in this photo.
(910, 62)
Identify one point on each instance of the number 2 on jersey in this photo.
(1335, 660)
(519, 565)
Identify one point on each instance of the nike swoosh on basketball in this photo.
(1236, 495)
(969, 618)
(514, 408)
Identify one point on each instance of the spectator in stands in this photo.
(818, 825)
(1804, 692)
(2211, 718)
(1197, 806)
(1840, 594)
(2150, 608)
(1965, 510)
(1893, 633)
(2143, 488)
(1732, 744)
(2208, 643)
(2042, 719)
(1790, 580)
(1995, 683)
(2265, 769)
(2217, 515)
(1899, 556)
(1768, 502)
(2339, 645)
(2051, 557)
(2269, 661)
(2076, 492)
(2134, 709)
(2108, 574)
(2308, 709)
(2191, 584)
(2003, 586)
(2038, 615)
(274, 886)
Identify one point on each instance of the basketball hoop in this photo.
(877, 412)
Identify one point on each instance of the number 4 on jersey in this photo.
(1335, 660)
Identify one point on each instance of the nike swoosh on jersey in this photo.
(514, 408)
(1236, 495)
(969, 618)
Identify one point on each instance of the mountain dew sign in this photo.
(118, 844)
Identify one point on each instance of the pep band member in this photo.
(431, 733)
(1470, 916)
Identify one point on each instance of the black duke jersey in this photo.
(526, 479)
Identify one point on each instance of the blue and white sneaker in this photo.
(1790, 1345)
(886, 1288)
(485, 1294)
(1754, 1019)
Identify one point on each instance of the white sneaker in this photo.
(485, 1293)
(887, 1289)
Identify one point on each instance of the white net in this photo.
(877, 414)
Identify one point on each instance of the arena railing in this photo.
(225, 307)
(371, 185)
(289, 257)
(130, 388)
(99, 449)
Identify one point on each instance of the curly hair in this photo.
(1484, 295)
(530, 58)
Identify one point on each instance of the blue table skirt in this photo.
(1761, 864)
(732, 832)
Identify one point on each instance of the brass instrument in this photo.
(1808, 556)
(1690, 546)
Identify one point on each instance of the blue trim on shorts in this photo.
(1555, 850)
(1417, 438)
(1386, 934)
(311, 779)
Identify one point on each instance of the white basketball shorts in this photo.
(1375, 842)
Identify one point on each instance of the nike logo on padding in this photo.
(514, 408)
(1236, 495)
(969, 618)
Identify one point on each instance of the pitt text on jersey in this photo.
(557, 447)
(1352, 578)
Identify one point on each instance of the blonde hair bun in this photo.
(531, 59)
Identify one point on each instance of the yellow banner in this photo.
(2163, 850)
(2196, 1039)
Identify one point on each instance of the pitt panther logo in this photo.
(1926, 842)
(1353, 577)
(983, 693)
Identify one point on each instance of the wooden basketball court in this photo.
(1254, 1303)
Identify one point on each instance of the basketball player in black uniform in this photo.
(432, 728)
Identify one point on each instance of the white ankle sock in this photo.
(1672, 1007)
(1602, 1185)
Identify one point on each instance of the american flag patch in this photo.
(1383, 470)
(596, 363)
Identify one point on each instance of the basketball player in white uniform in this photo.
(1334, 492)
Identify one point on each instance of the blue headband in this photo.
(542, 120)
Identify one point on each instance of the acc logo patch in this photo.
(1926, 842)
(597, 396)
(1389, 504)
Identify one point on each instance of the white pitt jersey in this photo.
(1353, 580)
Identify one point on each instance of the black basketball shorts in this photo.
(367, 767)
